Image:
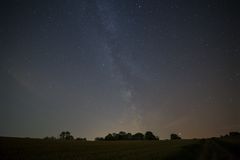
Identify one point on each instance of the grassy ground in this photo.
(37, 149)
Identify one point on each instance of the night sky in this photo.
(95, 67)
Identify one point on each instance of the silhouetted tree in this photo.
(138, 136)
(129, 136)
(174, 136)
(109, 137)
(62, 135)
(66, 136)
(122, 135)
(67, 133)
(149, 136)
(115, 136)
(69, 137)
(234, 134)
(99, 139)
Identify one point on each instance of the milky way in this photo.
(98, 66)
(116, 61)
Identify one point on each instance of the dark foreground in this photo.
(37, 149)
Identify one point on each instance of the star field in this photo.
(98, 66)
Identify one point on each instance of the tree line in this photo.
(128, 136)
(66, 135)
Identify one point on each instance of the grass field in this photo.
(38, 149)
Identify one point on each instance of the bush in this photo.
(174, 136)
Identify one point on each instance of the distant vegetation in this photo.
(175, 136)
(116, 147)
(66, 135)
(233, 134)
(128, 136)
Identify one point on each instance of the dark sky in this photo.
(98, 66)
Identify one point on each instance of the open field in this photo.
(38, 149)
